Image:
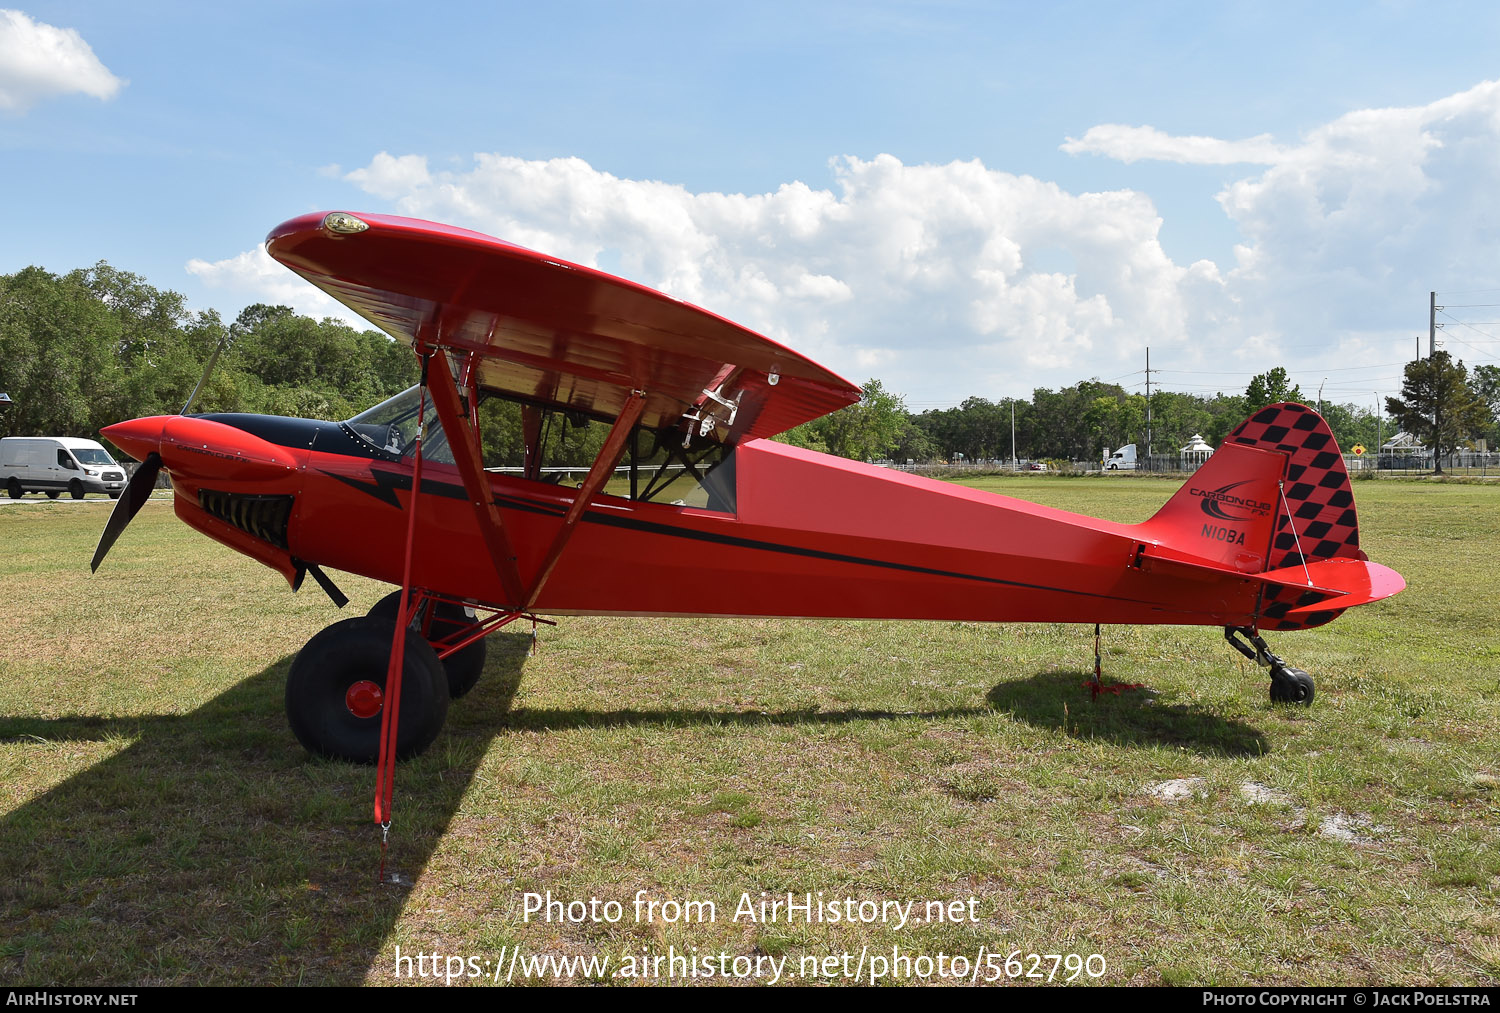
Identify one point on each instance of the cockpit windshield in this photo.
(391, 426)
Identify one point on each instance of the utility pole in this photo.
(1012, 434)
(1432, 326)
(1149, 371)
(1432, 308)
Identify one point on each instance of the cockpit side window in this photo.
(655, 468)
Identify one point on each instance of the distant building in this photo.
(1403, 443)
(1195, 453)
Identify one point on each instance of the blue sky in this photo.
(732, 154)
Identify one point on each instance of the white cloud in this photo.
(39, 61)
(959, 279)
(1360, 212)
(1369, 212)
(390, 177)
(1133, 144)
(921, 270)
(255, 277)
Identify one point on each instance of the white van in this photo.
(1122, 459)
(58, 464)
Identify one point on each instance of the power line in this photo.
(1470, 326)
(1246, 372)
(1488, 337)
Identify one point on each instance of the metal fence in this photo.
(163, 480)
(1469, 464)
(1464, 463)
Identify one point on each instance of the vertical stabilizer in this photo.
(1226, 511)
(1318, 520)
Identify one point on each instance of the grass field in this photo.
(159, 824)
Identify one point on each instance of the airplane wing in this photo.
(554, 333)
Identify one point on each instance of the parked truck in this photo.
(1122, 459)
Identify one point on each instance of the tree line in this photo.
(85, 349)
(82, 350)
(1442, 403)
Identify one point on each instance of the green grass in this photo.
(159, 824)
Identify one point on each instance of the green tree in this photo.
(869, 429)
(317, 366)
(1438, 406)
(57, 355)
(914, 444)
(1225, 411)
(1486, 383)
(808, 436)
(1176, 418)
(1271, 387)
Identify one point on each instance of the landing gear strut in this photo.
(1288, 684)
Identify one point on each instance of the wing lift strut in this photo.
(454, 402)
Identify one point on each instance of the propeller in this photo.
(212, 360)
(138, 490)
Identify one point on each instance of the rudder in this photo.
(1318, 519)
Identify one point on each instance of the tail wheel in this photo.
(335, 692)
(75, 489)
(1291, 685)
(13, 488)
(463, 667)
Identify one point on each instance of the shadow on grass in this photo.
(561, 720)
(211, 849)
(1058, 701)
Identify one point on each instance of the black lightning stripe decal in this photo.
(387, 483)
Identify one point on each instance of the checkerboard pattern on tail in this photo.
(1318, 515)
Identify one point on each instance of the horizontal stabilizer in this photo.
(1295, 596)
(1352, 581)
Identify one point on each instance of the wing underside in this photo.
(557, 334)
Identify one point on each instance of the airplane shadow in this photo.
(1057, 701)
(212, 850)
(561, 720)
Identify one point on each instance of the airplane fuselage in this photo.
(809, 535)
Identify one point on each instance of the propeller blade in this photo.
(212, 359)
(137, 491)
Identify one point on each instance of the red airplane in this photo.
(687, 509)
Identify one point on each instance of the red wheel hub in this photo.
(364, 699)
